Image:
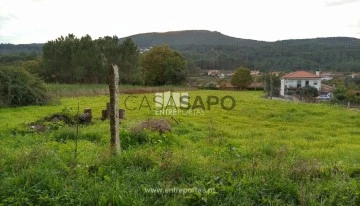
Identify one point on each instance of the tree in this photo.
(340, 93)
(129, 66)
(162, 65)
(32, 66)
(242, 78)
(57, 58)
(271, 82)
(85, 61)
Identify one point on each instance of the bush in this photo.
(210, 86)
(18, 88)
(152, 131)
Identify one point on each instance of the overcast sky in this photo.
(37, 21)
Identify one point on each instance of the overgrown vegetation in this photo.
(344, 95)
(261, 153)
(18, 88)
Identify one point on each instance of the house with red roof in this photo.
(298, 79)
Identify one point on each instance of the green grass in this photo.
(264, 152)
(82, 90)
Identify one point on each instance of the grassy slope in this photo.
(262, 152)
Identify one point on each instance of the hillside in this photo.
(214, 50)
(190, 37)
(17, 48)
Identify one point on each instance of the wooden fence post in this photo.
(114, 111)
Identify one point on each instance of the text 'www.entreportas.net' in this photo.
(176, 190)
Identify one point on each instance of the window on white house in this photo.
(315, 82)
(298, 85)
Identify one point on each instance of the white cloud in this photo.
(340, 2)
(43, 20)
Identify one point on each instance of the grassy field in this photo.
(264, 152)
(76, 90)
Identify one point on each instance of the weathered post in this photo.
(114, 112)
(88, 111)
(121, 114)
(104, 114)
(271, 85)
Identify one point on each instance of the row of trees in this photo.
(72, 60)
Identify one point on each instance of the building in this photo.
(295, 80)
(326, 89)
(255, 73)
(213, 73)
(326, 75)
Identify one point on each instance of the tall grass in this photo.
(82, 90)
(264, 152)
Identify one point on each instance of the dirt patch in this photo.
(60, 117)
(52, 122)
(160, 125)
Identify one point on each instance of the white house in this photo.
(213, 72)
(299, 79)
(326, 75)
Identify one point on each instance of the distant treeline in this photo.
(11, 58)
(19, 48)
(213, 50)
(334, 54)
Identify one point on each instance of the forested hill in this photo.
(191, 37)
(213, 50)
(19, 48)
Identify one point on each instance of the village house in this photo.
(213, 73)
(295, 80)
(326, 75)
(255, 73)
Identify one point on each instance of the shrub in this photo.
(18, 88)
(150, 131)
(210, 85)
